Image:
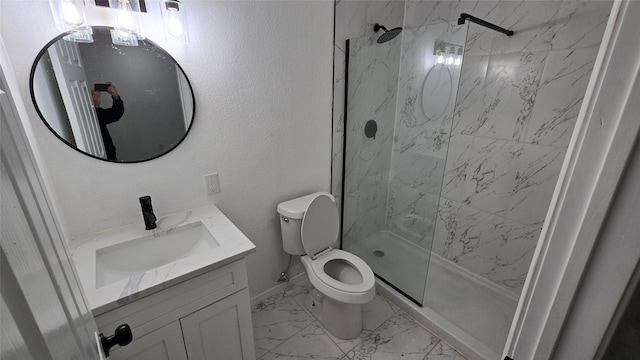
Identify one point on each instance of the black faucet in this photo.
(147, 213)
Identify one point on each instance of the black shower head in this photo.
(388, 34)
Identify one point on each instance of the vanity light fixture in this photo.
(448, 54)
(173, 16)
(70, 17)
(126, 29)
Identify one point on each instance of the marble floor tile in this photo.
(400, 337)
(443, 351)
(285, 330)
(347, 345)
(310, 343)
(277, 319)
(376, 312)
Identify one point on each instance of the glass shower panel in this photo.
(372, 79)
(405, 90)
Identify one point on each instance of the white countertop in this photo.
(233, 245)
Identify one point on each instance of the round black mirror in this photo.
(116, 103)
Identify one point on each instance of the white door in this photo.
(75, 91)
(44, 314)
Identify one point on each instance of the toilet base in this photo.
(341, 320)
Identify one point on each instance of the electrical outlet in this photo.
(212, 184)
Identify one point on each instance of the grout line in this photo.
(433, 347)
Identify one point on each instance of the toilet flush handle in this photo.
(285, 219)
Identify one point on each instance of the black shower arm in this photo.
(465, 16)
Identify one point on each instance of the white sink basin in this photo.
(120, 265)
(136, 256)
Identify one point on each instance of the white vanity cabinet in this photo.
(205, 317)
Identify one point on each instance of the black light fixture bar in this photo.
(465, 16)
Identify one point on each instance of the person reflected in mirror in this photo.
(108, 116)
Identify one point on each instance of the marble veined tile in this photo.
(411, 214)
(420, 13)
(442, 351)
(532, 23)
(310, 343)
(376, 312)
(562, 89)
(513, 180)
(397, 338)
(555, 114)
(457, 167)
(569, 67)
(487, 244)
(509, 94)
(419, 171)
(580, 23)
(480, 172)
(470, 95)
(446, 225)
(364, 212)
(491, 174)
(479, 39)
(535, 180)
(275, 320)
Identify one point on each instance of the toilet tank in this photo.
(291, 214)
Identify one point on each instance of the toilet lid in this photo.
(319, 225)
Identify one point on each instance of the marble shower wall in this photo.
(353, 19)
(373, 81)
(517, 104)
(516, 107)
(372, 94)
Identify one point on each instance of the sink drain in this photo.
(378, 253)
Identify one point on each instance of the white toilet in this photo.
(341, 281)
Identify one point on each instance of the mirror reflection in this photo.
(112, 102)
(436, 92)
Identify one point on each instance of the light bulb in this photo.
(450, 53)
(125, 16)
(439, 57)
(174, 27)
(458, 60)
(71, 14)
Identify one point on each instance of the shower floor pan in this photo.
(466, 310)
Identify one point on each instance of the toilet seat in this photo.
(319, 231)
(368, 279)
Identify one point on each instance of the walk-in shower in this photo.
(447, 200)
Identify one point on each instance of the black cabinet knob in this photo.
(122, 336)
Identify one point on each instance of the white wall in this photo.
(261, 73)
